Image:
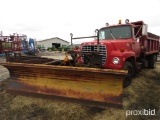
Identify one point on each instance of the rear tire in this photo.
(128, 79)
(152, 62)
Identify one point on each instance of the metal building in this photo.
(52, 42)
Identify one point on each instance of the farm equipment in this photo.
(97, 72)
(16, 42)
(29, 47)
(10, 43)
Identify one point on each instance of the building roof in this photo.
(53, 38)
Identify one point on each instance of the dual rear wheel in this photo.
(152, 61)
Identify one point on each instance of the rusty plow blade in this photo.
(93, 86)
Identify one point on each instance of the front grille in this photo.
(91, 48)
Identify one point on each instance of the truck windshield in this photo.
(116, 32)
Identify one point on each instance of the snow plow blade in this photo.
(95, 86)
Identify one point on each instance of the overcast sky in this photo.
(42, 19)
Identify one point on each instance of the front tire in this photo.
(128, 79)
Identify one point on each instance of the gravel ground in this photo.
(54, 55)
(4, 73)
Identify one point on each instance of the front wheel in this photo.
(128, 79)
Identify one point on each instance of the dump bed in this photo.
(149, 42)
(152, 42)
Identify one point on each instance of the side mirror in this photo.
(96, 34)
(144, 29)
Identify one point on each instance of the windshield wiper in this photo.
(112, 35)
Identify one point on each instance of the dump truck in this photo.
(97, 72)
(123, 46)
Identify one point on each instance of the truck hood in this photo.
(122, 44)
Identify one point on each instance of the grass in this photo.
(143, 93)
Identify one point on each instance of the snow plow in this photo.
(35, 76)
(88, 84)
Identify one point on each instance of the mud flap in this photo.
(93, 85)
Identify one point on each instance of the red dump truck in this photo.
(98, 71)
(123, 46)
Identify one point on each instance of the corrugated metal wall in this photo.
(48, 43)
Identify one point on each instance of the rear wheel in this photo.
(152, 61)
(127, 80)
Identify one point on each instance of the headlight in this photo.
(115, 60)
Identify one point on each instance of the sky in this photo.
(43, 19)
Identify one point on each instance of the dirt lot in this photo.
(143, 93)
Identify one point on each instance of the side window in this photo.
(102, 35)
(138, 31)
(136, 34)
